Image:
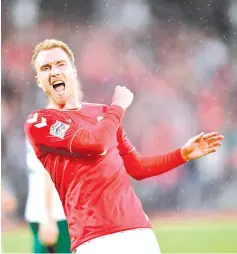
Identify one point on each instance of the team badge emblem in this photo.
(59, 129)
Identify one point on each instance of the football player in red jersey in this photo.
(89, 158)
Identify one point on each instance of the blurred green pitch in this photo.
(174, 236)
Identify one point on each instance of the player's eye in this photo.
(45, 68)
(61, 64)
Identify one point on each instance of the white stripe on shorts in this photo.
(135, 241)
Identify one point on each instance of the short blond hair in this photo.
(51, 44)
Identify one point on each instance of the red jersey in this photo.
(85, 153)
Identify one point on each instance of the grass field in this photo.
(174, 236)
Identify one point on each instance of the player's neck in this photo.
(72, 104)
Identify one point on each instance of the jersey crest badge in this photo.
(59, 129)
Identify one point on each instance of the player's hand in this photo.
(122, 97)
(48, 232)
(201, 145)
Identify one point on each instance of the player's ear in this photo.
(37, 80)
(75, 71)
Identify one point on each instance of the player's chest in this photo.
(83, 119)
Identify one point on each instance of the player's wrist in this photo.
(118, 106)
(184, 154)
(120, 110)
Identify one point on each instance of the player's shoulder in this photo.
(96, 106)
(40, 118)
(38, 114)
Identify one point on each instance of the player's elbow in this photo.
(89, 149)
(88, 143)
(99, 148)
(133, 167)
(137, 177)
(98, 145)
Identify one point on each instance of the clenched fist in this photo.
(122, 97)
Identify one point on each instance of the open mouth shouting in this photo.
(59, 87)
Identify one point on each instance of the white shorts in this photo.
(135, 241)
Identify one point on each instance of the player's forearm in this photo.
(97, 139)
(48, 196)
(141, 167)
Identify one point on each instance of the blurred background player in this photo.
(8, 202)
(44, 211)
(8, 207)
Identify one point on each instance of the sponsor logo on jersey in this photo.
(59, 129)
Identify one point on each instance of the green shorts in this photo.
(63, 242)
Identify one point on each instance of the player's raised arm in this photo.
(141, 167)
(44, 130)
(51, 134)
(99, 137)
